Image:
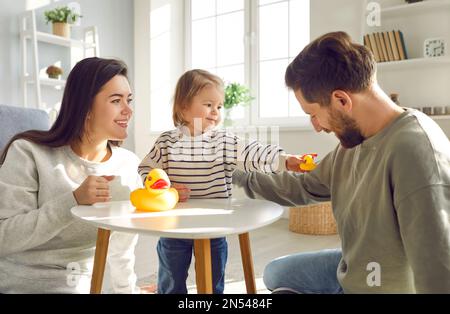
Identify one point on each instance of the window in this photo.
(217, 31)
(251, 42)
(283, 32)
(161, 64)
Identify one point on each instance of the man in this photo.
(388, 180)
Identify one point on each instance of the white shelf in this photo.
(443, 117)
(33, 79)
(48, 82)
(417, 7)
(52, 82)
(59, 40)
(413, 63)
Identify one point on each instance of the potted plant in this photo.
(235, 94)
(61, 18)
(54, 72)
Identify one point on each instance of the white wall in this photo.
(330, 16)
(417, 86)
(152, 67)
(10, 51)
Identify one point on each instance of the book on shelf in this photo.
(393, 42)
(373, 44)
(380, 50)
(367, 42)
(400, 40)
(388, 46)
(383, 47)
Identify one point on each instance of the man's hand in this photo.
(293, 163)
(93, 190)
(183, 191)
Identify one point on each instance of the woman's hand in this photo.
(183, 191)
(150, 289)
(93, 190)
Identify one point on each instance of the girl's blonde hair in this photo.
(188, 86)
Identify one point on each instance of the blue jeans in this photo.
(313, 272)
(174, 261)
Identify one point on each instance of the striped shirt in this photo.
(205, 163)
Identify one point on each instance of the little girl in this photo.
(200, 159)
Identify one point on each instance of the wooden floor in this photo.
(267, 243)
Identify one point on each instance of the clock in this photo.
(434, 47)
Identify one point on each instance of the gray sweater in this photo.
(43, 249)
(391, 200)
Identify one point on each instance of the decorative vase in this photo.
(228, 121)
(61, 29)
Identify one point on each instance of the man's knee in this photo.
(272, 276)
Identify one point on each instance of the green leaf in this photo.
(61, 15)
(236, 94)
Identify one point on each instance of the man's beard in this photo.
(345, 129)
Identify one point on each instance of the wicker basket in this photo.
(314, 219)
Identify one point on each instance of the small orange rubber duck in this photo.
(157, 195)
(308, 164)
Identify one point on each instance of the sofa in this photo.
(14, 120)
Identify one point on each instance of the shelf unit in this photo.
(417, 7)
(52, 82)
(78, 49)
(420, 81)
(416, 62)
(414, 8)
(443, 117)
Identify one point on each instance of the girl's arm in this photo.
(151, 161)
(254, 156)
(154, 160)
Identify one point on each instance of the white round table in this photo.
(198, 219)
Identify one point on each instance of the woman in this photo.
(77, 162)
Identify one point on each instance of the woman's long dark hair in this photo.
(83, 84)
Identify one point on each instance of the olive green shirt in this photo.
(391, 200)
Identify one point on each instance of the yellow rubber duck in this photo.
(308, 164)
(157, 195)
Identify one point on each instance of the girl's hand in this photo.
(93, 190)
(183, 191)
(293, 163)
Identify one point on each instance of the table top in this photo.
(194, 219)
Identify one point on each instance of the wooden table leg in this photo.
(203, 273)
(101, 251)
(247, 263)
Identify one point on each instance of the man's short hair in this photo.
(331, 62)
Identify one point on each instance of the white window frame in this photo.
(188, 52)
(251, 69)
